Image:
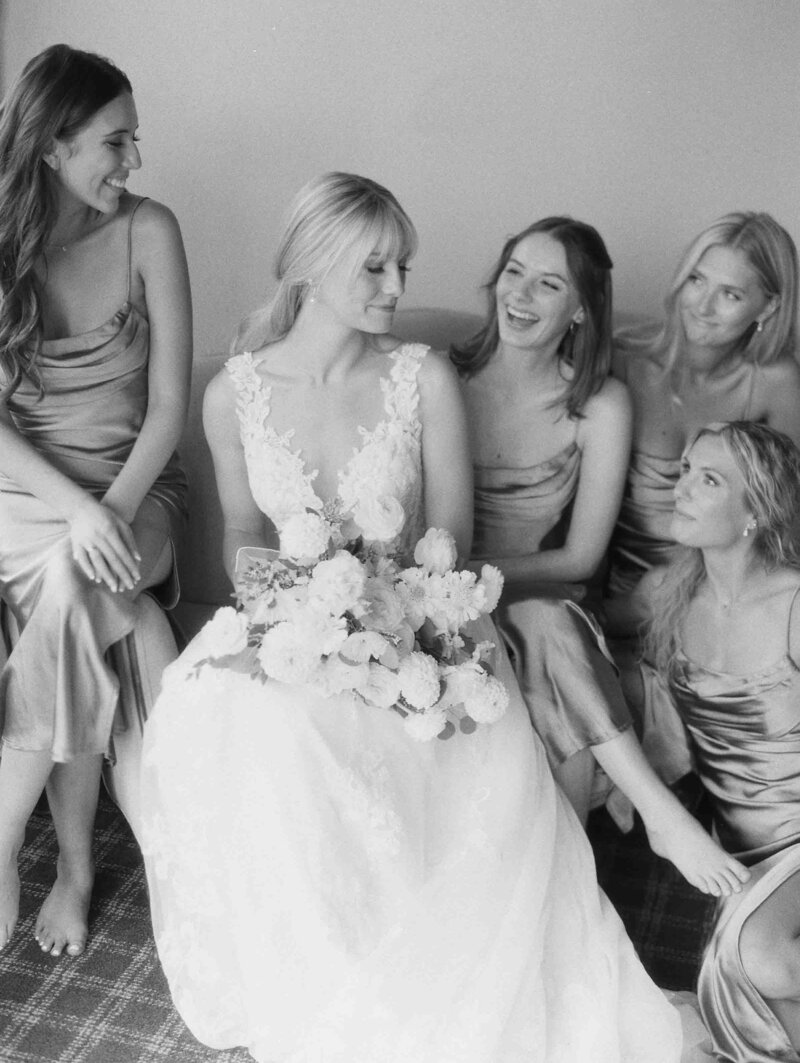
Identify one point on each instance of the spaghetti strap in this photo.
(130, 242)
(789, 629)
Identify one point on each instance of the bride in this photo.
(325, 888)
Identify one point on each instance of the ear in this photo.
(769, 309)
(53, 157)
(579, 316)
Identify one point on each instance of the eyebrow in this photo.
(546, 273)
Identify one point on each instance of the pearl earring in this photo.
(749, 527)
(760, 326)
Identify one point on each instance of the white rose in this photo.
(436, 551)
(380, 517)
(483, 696)
(305, 536)
(383, 607)
(338, 583)
(335, 676)
(381, 688)
(226, 632)
(419, 680)
(425, 726)
(361, 645)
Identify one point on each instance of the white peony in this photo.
(337, 584)
(380, 517)
(425, 726)
(305, 536)
(491, 583)
(483, 696)
(226, 632)
(286, 655)
(419, 680)
(436, 551)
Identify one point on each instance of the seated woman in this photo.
(727, 350)
(95, 355)
(323, 885)
(549, 432)
(724, 630)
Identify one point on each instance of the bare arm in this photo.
(604, 437)
(244, 523)
(446, 465)
(161, 261)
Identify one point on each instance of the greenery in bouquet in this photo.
(342, 616)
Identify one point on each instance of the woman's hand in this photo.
(103, 546)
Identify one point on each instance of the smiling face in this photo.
(361, 293)
(92, 167)
(721, 298)
(535, 295)
(711, 509)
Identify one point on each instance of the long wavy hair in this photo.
(586, 348)
(57, 93)
(772, 254)
(769, 463)
(333, 215)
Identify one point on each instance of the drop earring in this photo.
(751, 527)
(759, 325)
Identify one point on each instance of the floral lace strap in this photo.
(252, 396)
(401, 390)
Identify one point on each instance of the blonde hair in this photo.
(769, 464)
(771, 253)
(332, 216)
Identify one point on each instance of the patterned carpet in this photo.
(112, 1004)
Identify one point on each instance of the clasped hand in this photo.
(103, 546)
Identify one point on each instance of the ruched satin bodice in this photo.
(746, 735)
(93, 404)
(523, 510)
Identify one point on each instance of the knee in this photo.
(62, 579)
(771, 962)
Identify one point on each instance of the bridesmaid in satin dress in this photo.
(550, 433)
(95, 354)
(726, 350)
(724, 630)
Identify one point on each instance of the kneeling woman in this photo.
(725, 631)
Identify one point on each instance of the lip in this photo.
(519, 318)
(386, 309)
(678, 512)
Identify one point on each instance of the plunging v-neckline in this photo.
(301, 461)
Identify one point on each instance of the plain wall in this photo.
(648, 118)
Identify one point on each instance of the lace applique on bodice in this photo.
(383, 473)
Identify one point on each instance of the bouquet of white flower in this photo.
(340, 616)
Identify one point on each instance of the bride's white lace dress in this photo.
(325, 889)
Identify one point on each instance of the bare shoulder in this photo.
(155, 226)
(220, 396)
(612, 403)
(437, 374)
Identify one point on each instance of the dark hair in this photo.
(587, 348)
(57, 93)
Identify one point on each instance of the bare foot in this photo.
(9, 901)
(680, 839)
(63, 918)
